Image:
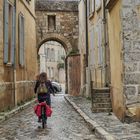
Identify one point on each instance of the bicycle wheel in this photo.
(43, 115)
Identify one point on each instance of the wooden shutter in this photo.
(6, 29)
(88, 7)
(21, 40)
(100, 50)
(92, 57)
(13, 35)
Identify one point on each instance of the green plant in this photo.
(60, 65)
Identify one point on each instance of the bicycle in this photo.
(43, 114)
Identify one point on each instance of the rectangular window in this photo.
(92, 55)
(100, 49)
(51, 22)
(9, 32)
(98, 4)
(21, 40)
(91, 6)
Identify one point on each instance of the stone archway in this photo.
(55, 37)
(64, 42)
(58, 21)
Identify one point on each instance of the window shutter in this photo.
(100, 51)
(88, 7)
(92, 57)
(13, 36)
(6, 23)
(21, 40)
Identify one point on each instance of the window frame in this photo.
(21, 39)
(9, 33)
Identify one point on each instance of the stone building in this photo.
(18, 57)
(113, 53)
(82, 44)
(52, 59)
(124, 42)
(58, 21)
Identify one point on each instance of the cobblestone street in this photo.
(65, 124)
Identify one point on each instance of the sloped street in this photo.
(65, 124)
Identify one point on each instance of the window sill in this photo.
(9, 64)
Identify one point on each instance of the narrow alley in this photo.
(65, 124)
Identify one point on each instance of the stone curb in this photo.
(104, 135)
(16, 110)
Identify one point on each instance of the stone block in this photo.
(131, 67)
(136, 46)
(132, 56)
(130, 90)
(132, 78)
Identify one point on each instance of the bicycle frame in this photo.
(43, 114)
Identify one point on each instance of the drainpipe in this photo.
(14, 66)
(107, 64)
(66, 74)
(86, 34)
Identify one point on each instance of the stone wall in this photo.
(1, 40)
(66, 22)
(131, 49)
(66, 31)
(69, 6)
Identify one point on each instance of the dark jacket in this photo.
(48, 85)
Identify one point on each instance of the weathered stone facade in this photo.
(131, 46)
(124, 42)
(58, 21)
(82, 44)
(66, 14)
(16, 81)
(114, 56)
(131, 51)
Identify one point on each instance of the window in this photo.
(52, 72)
(100, 49)
(49, 72)
(92, 6)
(9, 32)
(92, 55)
(51, 22)
(48, 53)
(52, 54)
(97, 4)
(21, 39)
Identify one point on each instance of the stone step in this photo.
(101, 90)
(101, 105)
(100, 95)
(102, 100)
(99, 110)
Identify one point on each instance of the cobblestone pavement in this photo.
(65, 124)
(121, 131)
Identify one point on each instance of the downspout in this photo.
(86, 34)
(14, 66)
(107, 64)
(66, 74)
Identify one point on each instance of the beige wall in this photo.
(1, 41)
(114, 24)
(82, 43)
(95, 34)
(25, 75)
(28, 72)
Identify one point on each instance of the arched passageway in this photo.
(58, 21)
